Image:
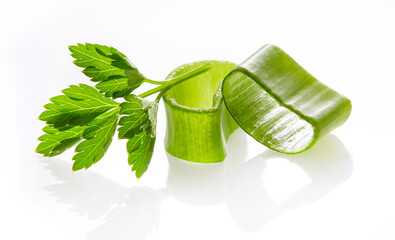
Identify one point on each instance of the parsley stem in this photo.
(152, 91)
(154, 82)
(174, 81)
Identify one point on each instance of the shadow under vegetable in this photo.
(134, 212)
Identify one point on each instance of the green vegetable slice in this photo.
(197, 123)
(280, 104)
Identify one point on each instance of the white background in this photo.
(343, 188)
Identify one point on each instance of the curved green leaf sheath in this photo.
(194, 114)
(280, 104)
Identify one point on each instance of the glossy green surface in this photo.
(280, 104)
(197, 123)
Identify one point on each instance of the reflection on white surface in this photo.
(134, 212)
(128, 212)
(88, 193)
(194, 183)
(135, 218)
(327, 164)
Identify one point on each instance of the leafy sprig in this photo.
(88, 116)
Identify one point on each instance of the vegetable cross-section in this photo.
(197, 123)
(280, 104)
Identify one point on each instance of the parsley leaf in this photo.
(78, 106)
(138, 125)
(116, 75)
(136, 117)
(55, 141)
(82, 113)
(140, 149)
(98, 136)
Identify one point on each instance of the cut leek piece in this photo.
(280, 104)
(197, 123)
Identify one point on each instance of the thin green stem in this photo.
(174, 81)
(154, 82)
(152, 91)
(190, 74)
